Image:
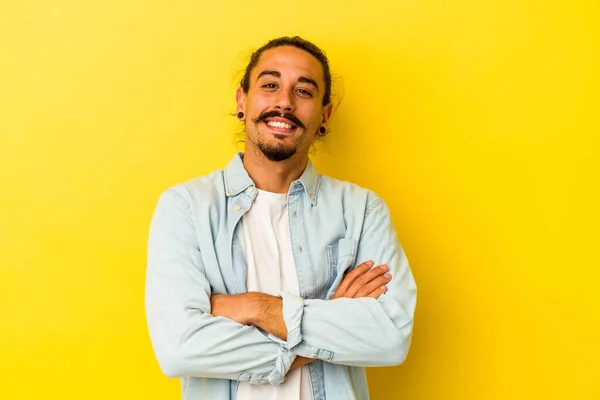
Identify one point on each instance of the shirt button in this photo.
(312, 197)
(237, 208)
(294, 214)
(250, 189)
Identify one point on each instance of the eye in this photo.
(304, 92)
(270, 86)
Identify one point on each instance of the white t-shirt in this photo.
(271, 269)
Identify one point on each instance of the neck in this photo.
(273, 176)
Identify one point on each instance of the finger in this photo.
(352, 276)
(363, 280)
(377, 292)
(373, 285)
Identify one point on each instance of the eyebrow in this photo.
(309, 81)
(277, 74)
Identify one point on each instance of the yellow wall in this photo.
(477, 121)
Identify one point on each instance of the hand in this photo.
(300, 361)
(364, 281)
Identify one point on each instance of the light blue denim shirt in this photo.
(196, 249)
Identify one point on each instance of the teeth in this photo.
(278, 124)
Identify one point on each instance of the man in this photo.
(252, 286)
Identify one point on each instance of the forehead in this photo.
(290, 62)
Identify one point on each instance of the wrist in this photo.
(249, 307)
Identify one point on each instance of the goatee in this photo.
(276, 153)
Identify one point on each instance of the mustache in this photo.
(273, 113)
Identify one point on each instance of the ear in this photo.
(240, 98)
(327, 110)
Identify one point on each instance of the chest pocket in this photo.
(341, 258)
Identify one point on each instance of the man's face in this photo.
(283, 107)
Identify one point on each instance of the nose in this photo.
(284, 101)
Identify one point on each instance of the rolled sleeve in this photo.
(284, 361)
(293, 308)
(277, 376)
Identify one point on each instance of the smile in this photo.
(277, 124)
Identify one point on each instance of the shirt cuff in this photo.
(283, 362)
(293, 307)
(293, 310)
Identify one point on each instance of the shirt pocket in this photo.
(341, 258)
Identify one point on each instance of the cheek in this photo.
(257, 103)
(306, 110)
(313, 119)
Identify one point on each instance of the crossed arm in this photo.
(266, 312)
(197, 334)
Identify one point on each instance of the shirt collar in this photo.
(237, 179)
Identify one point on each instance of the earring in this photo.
(322, 130)
(240, 115)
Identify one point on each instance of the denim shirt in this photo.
(196, 249)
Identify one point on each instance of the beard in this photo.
(276, 152)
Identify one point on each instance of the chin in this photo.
(277, 153)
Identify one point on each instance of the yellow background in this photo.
(476, 120)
